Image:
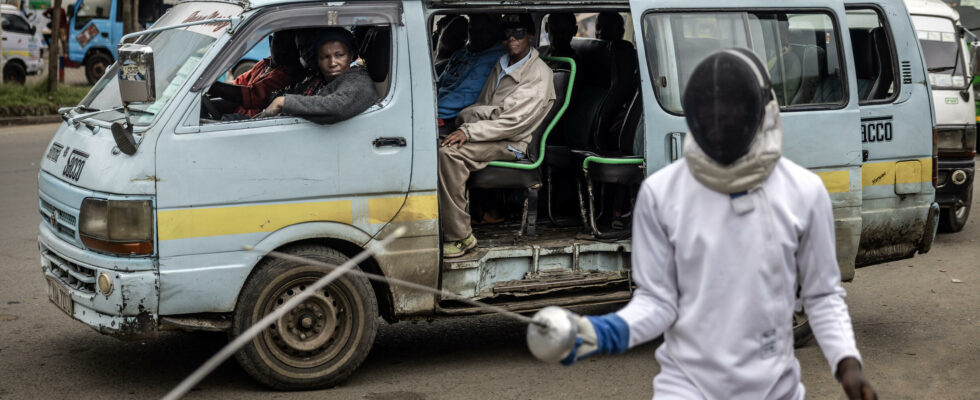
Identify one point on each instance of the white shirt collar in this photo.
(509, 69)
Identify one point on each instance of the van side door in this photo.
(801, 46)
(270, 181)
(896, 130)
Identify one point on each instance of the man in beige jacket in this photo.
(515, 99)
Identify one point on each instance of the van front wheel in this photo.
(320, 342)
(953, 219)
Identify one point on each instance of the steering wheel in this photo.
(212, 111)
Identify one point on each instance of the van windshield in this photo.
(799, 49)
(176, 54)
(942, 51)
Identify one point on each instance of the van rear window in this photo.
(799, 49)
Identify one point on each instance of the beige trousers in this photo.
(455, 166)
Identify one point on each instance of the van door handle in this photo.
(105, 34)
(390, 142)
(674, 146)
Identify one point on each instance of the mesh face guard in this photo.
(725, 101)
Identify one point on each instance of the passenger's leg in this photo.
(455, 165)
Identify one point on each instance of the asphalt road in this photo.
(919, 333)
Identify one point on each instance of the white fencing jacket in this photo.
(720, 286)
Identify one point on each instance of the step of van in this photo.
(552, 263)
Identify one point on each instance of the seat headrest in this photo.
(376, 50)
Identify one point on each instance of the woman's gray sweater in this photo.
(346, 96)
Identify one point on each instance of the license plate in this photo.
(60, 296)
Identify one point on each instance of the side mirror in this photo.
(71, 11)
(136, 85)
(136, 79)
(33, 29)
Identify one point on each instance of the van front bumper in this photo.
(955, 180)
(128, 310)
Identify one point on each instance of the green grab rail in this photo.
(607, 160)
(551, 125)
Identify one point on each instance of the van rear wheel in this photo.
(320, 342)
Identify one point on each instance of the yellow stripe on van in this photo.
(202, 222)
(884, 173)
(836, 181)
(417, 208)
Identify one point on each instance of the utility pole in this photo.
(54, 47)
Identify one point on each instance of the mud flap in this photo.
(929, 233)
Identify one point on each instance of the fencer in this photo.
(723, 240)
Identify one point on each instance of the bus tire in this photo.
(322, 341)
(801, 329)
(953, 219)
(242, 68)
(95, 66)
(14, 72)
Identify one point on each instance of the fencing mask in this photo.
(725, 103)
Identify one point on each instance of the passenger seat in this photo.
(376, 51)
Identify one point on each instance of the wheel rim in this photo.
(960, 212)
(98, 69)
(315, 331)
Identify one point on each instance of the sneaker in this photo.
(459, 247)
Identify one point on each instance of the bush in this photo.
(34, 99)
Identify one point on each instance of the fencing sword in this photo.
(550, 332)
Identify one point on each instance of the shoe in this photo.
(459, 247)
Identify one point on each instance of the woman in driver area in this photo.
(338, 92)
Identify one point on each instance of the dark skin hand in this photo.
(458, 137)
(855, 385)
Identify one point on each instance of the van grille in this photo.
(73, 275)
(65, 223)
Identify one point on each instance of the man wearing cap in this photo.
(515, 99)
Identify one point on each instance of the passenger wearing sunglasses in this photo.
(515, 99)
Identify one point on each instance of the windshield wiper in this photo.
(82, 117)
(941, 69)
(151, 113)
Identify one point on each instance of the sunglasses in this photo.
(516, 33)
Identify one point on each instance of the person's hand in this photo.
(275, 107)
(458, 137)
(855, 385)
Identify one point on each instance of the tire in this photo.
(953, 219)
(282, 356)
(241, 68)
(801, 329)
(95, 66)
(14, 72)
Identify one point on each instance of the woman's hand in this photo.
(275, 107)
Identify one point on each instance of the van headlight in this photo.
(122, 227)
(957, 140)
(950, 139)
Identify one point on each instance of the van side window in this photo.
(800, 50)
(253, 83)
(873, 51)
